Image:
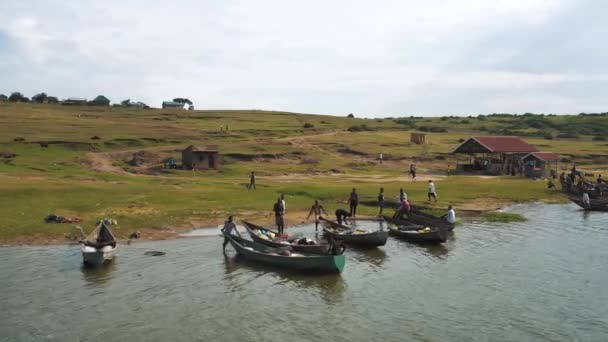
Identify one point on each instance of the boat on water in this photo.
(421, 218)
(594, 204)
(99, 246)
(415, 232)
(269, 238)
(282, 257)
(353, 236)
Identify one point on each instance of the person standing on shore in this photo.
(380, 158)
(353, 200)
(432, 192)
(251, 181)
(381, 202)
(279, 212)
(229, 227)
(413, 171)
(316, 209)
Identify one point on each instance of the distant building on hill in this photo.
(74, 101)
(418, 138)
(200, 157)
(3, 98)
(174, 105)
(100, 100)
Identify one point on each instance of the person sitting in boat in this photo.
(229, 227)
(450, 217)
(341, 215)
(279, 212)
(586, 199)
(317, 209)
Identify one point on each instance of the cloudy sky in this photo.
(371, 58)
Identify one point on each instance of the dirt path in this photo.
(102, 162)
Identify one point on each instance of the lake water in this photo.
(544, 279)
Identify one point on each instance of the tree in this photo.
(351, 115)
(52, 99)
(126, 102)
(15, 97)
(182, 100)
(39, 98)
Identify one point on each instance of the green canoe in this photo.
(296, 261)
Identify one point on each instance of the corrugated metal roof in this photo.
(502, 144)
(546, 156)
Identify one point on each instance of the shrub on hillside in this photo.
(360, 128)
(567, 135)
(432, 129)
(599, 138)
(548, 136)
(309, 125)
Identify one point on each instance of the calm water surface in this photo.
(544, 279)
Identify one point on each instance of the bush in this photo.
(309, 125)
(599, 138)
(432, 129)
(351, 115)
(567, 135)
(360, 128)
(548, 136)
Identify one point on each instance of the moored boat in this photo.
(99, 246)
(254, 251)
(417, 233)
(594, 205)
(353, 236)
(427, 220)
(261, 235)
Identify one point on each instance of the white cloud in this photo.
(383, 58)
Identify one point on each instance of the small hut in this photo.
(200, 157)
(418, 138)
(493, 154)
(174, 105)
(540, 164)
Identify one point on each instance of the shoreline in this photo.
(464, 212)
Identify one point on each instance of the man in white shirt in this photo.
(586, 199)
(432, 192)
(451, 216)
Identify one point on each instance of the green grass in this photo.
(323, 162)
(497, 216)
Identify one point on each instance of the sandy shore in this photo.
(469, 212)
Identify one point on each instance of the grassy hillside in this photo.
(92, 178)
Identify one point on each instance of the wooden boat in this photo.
(99, 246)
(256, 235)
(416, 233)
(296, 261)
(594, 205)
(427, 220)
(352, 236)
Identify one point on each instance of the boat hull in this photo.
(373, 239)
(433, 237)
(92, 256)
(254, 251)
(594, 205)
